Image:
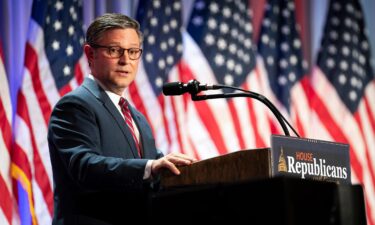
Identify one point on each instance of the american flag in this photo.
(53, 66)
(281, 69)
(6, 201)
(344, 89)
(161, 23)
(218, 48)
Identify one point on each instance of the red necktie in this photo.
(129, 121)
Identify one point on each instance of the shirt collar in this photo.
(115, 98)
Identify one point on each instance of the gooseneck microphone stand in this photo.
(281, 119)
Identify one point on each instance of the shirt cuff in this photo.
(147, 173)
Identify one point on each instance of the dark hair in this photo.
(110, 21)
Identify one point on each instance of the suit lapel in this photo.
(100, 94)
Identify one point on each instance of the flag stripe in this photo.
(236, 123)
(6, 200)
(40, 173)
(206, 115)
(358, 153)
(32, 65)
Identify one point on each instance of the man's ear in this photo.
(89, 52)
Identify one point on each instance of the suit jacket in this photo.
(97, 173)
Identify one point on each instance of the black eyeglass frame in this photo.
(108, 47)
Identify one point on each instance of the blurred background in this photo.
(311, 58)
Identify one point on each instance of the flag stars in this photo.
(161, 64)
(333, 35)
(292, 77)
(219, 59)
(165, 28)
(171, 42)
(228, 79)
(55, 45)
(156, 4)
(209, 39)
(352, 95)
(173, 23)
(283, 63)
(349, 8)
(59, 5)
(337, 6)
(364, 45)
(170, 60)
(227, 12)
(246, 58)
(66, 70)
(238, 69)
(342, 79)
(154, 21)
(332, 49)
(224, 28)
(212, 24)
(362, 60)
(197, 20)
(282, 80)
(285, 30)
(335, 21)
(293, 60)
(232, 48)
(234, 33)
(284, 46)
(149, 57)
(57, 25)
(167, 11)
(265, 39)
(163, 46)
(214, 8)
(247, 43)
(348, 22)
(270, 61)
(345, 51)
(222, 44)
(69, 50)
(159, 82)
(330, 63)
(344, 65)
(179, 48)
(230, 64)
(286, 13)
(353, 81)
(151, 39)
(71, 30)
(346, 37)
(177, 6)
(248, 27)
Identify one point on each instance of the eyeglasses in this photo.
(117, 52)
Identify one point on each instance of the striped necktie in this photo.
(129, 121)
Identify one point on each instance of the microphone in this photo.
(193, 87)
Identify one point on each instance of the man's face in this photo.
(114, 73)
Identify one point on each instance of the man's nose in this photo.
(125, 57)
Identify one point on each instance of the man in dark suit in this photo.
(103, 153)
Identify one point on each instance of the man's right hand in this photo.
(170, 162)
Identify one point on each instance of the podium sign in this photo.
(310, 159)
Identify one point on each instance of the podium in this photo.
(237, 188)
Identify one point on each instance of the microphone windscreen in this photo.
(173, 88)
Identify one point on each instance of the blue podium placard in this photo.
(310, 159)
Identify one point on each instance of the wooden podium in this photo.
(237, 188)
(233, 167)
